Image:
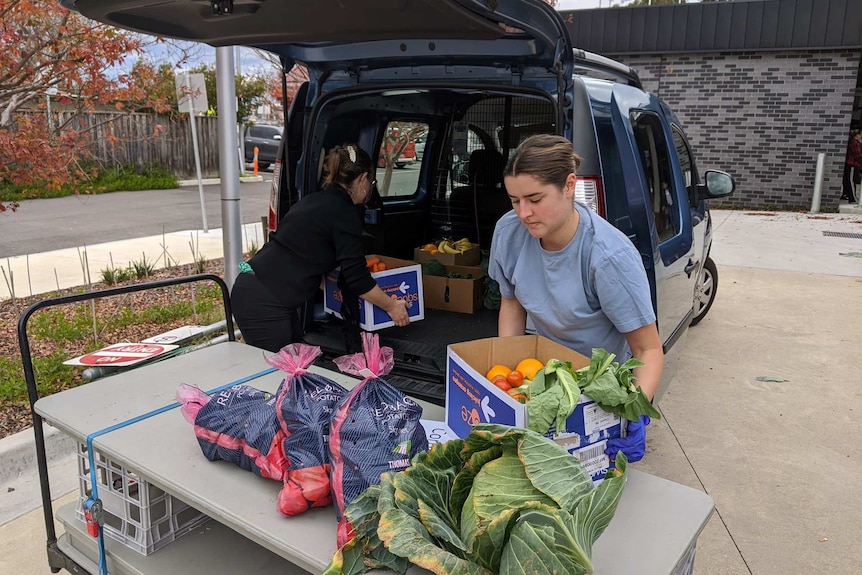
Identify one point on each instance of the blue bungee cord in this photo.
(93, 510)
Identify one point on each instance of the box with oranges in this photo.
(472, 397)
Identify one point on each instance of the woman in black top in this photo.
(319, 233)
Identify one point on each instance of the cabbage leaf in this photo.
(504, 501)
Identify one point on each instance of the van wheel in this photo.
(704, 293)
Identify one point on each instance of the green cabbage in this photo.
(502, 501)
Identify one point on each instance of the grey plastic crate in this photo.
(137, 513)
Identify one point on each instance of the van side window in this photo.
(689, 172)
(397, 162)
(657, 173)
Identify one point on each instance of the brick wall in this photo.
(763, 117)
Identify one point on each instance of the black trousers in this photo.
(263, 320)
(848, 190)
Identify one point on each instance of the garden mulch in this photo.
(16, 416)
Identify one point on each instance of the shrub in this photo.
(142, 268)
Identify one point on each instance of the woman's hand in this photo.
(397, 310)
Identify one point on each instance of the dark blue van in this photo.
(471, 79)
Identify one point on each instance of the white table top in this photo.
(656, 519)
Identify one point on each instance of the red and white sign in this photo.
(121, 354)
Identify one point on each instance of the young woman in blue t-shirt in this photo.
(580, 280)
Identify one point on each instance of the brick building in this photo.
(761, 86)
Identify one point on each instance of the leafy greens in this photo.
(555, 391)
(502, 501)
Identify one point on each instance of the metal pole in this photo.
(818, 183)
(227, 144)
(197, 153)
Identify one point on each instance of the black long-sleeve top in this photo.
(320, 232)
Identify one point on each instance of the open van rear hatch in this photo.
(351, 34)
(472, 49)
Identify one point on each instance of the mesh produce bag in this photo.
(374, 429)
(305, 404)
(238, 425)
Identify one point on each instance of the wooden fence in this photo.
(121, 139)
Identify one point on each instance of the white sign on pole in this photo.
(192, 98)
(191, 93)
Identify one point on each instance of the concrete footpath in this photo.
(761, 415)
(72, 267)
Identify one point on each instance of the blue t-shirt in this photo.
(586, 295)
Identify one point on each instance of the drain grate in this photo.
(843, 235)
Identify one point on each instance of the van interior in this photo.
(454, 190)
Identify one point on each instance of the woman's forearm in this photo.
(645, 344)
(512, 319)
(378, 297)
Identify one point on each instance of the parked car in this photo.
(482, 80)
(267, 139)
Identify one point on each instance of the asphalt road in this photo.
(74, 221)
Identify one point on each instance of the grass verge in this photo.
(127, 178)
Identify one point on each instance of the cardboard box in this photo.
(402, 279)
(455, 294)
(471, 398)
(469, 258)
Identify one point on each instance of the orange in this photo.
(497, 371)
(530, 367)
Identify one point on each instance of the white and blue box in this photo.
(472, 399)
(402, 279)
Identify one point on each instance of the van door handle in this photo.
(691, 267)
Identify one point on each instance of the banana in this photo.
(452, 247)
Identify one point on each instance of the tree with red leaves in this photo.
(48, 52)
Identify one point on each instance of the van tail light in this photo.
(272, 217)
(588, 191)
